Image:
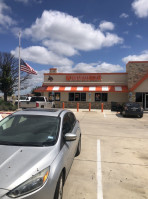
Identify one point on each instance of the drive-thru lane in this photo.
(123, 158)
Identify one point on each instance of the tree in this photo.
(35, 93)
(9, 75)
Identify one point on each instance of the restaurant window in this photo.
(101, 97)
(54, 96)
(71, 97)
(77, 97)
(98, 97)
(139, 97)
(57, 97)
(83, 97)
(104, 97)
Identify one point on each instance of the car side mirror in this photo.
(70, 137)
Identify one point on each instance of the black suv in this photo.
(131, 109)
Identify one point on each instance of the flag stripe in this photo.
(26, 68)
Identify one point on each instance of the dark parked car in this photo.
(131, 109)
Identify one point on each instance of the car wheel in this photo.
(140, 116)
(78, 148)
(59, 188)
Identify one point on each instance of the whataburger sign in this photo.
(83, 78)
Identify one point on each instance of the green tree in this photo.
(9, 75)
(35, 93)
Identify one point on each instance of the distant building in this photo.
(83, 88)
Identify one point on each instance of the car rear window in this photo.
(34, 99)
(133, 105)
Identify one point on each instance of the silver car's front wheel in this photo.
(59, 188)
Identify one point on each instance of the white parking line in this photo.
(99, 172)
(104, 115)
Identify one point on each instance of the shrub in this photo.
(7, 106)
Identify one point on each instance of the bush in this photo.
(7, 106)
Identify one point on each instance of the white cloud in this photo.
(23, 1)
(124, 15)
(139, 36)
(28, 1)
(140, 8)
(97, 68)
(60, 48)
(106, 25)
(68, 30)
(41, 55)
(129, 23)
(34, 81)
(126, 32)
(126, 46)
(142, 57)
(5, 20)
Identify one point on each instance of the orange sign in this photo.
(83, 78)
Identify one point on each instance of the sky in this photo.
(92, 36)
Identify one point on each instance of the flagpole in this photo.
(19, 69)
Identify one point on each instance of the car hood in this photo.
(18, 164)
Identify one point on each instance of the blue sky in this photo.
(75, 35)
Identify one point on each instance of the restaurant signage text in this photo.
(83, 78)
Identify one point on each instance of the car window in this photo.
(72, 119)
(34, 99)
(7, 124)
(66, 124)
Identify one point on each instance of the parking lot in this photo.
(113, 163)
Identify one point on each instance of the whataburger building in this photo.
(97, 88)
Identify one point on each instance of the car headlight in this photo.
(30, 185)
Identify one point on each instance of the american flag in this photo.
(26, 68)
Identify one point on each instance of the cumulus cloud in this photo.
(34, 81)
(142, 57)
(5, 20)
(140, 8)
(97, 68)
(68, 30)
(60, 48)
(124, 15)
(106, 25)
(41, 55)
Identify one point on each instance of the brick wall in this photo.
(135, 72)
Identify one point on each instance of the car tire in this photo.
(59, 188)
(140, 116)
(78, 148)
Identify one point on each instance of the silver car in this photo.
(37, 148)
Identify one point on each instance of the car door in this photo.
(69, 147)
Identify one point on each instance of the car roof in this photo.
(40, 111)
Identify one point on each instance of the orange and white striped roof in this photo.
(82, 89)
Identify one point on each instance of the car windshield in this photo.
(29, 130)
